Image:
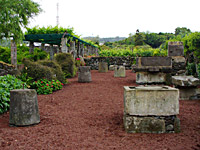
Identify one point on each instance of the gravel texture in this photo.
(90, 116)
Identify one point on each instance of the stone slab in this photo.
(153, 64)
(151, 100)
(185, 81)
(150, 78)
(120, 71)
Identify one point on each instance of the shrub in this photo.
(8, 83)
(44, 86)
(37, 71)
(56, 68)
(67, 63)
(191, 69)
(5, 54)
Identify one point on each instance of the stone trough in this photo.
(151, 109)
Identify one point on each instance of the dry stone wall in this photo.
(127, 62)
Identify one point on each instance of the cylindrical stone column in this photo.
(23, 107)
(84, 74)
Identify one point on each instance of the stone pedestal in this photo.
(175, 49)
(150, 78)
(84, 74)
(120, 71)
(23, 107)
(151, 109)
(103, 67)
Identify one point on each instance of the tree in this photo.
(139, 38)
(14, 15)
(182, 31)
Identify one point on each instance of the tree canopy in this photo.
(15, 15)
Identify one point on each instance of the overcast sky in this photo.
(111, 18)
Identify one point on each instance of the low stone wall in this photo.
(125, 61)
(6, 68)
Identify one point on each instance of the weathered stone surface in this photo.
(112, 67)
(120, 61)
(178, 65)
(175, 49)
(23, 107)
(151, 124)
(153, 64)
(84, 74)
(185, 81)
(103, 67)
(188, 93)
(120, 71)
(150, 78)
(151, 100)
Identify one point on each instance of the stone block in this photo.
(185, 81)
(84, 74)
(188, 93)
(23, 107)
(151, 124)
(112, 67)
(151, 100)
(103, 67)
(150, 78)
(175, 49)
(120, 71)
(153, 64)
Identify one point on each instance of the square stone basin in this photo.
(151, 100)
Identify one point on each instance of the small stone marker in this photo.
(112, 67)
(23, 107)
(84, 74)
(103, 67)
(120, 71)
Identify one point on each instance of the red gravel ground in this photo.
(89, 116)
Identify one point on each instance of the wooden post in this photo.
(31, 47)
(13, 53)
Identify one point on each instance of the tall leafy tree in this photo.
(14, 15)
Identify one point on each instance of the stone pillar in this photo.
(72, 49)
(13, 53)
(31, 47)
(64, 48)
(23, 107)
(78, 49)
(82, 50)
(175, 49)
(96, 51)
(51, 52)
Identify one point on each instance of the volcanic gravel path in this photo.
(90, 116)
